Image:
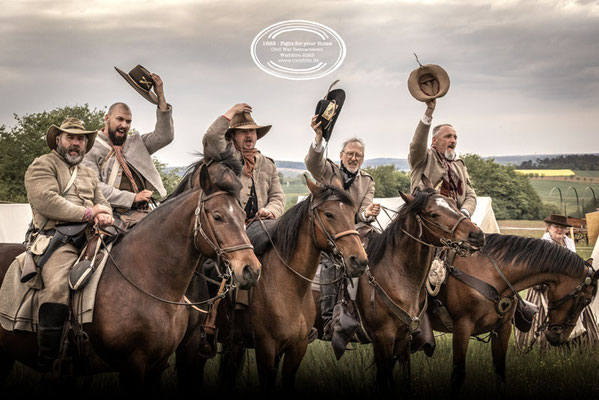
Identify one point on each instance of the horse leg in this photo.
(6, 365)
(267, 361)
(293, 358)
(383, 357)
(403, 358)
(499, 344)
(231, 363)
(461, 339)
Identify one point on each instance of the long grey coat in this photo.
(425, 161)
(137, 151)
(361, 190)
(266, 179)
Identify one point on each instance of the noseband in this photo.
(221, 259)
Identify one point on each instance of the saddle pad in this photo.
(19, 302)
(258, 237)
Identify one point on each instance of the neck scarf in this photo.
(348, 177)
(249, 159)
(118, 152)
(452, 184)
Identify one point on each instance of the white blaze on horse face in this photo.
(441, 202)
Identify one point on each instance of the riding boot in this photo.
(328, 294)
(52, 317)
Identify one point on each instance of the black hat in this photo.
(141, 80)
(557, 220)
(328, 110)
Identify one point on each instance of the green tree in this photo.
(170, 176)
(26, 140)
(513, 195)
(389, 181)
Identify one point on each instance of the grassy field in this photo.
(585, 196)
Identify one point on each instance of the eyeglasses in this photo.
(353, 154)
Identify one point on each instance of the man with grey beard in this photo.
(440, 163)
(61, 191)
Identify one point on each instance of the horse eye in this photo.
(435, 215)
(328, 214)
(217, 217)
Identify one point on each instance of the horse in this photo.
(139, 317)
(479, 295)
(391, 298)
(281, 312)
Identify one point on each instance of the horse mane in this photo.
(539, 255)
(226, 158)
(285, 231)
(378, 242)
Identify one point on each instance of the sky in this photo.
(524, 73)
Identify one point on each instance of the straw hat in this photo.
(428, 82)
(245, 121)
(141, 80)
(73, 126)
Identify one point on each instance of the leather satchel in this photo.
(524, 315)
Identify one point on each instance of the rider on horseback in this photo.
(60, 191)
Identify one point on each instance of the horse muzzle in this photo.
(248, 276)
(356, 266)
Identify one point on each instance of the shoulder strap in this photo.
(64, 192)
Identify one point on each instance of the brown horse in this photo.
(138, 318)
(391, 296)
(525, 262)
(281, 311)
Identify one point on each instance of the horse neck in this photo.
(145, 257)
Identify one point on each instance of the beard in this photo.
(450, 154)
(116, 140)
(70, 159)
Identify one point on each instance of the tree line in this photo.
(581, 162)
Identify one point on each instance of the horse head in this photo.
(220, 227)
(333, 226)
(439, 221)
(567, 297)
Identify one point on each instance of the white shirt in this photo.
(569, 242)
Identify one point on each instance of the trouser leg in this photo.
(52, 317)
(328, 292)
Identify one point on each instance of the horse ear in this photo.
(335, 181)
(426, 183)
(205, 179)
(407, 198)
(312, 186)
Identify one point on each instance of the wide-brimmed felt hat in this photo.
(328, 110)
(557, 220)
(428, 82)
(73, 126)
(245, 121)
(141, 80)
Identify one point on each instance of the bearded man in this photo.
(123, 163)
(440, 163)
(61, 191)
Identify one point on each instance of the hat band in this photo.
(244, 123)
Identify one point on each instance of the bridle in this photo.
(222, 261)
(580, 301)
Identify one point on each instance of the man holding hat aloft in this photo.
(60, 190)
(261, 193)
(439, 163)
(357, 183)
(128, 176)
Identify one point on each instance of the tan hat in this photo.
(141, 80)
(245, 121)
(73, 126)
(428, 82)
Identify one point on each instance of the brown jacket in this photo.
(266, 179)
(425, 161)
(45, 180)
(361, 190)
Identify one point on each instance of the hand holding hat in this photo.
(328, 109)
(142, 81)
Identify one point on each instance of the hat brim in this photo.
(439, 75)
(54, 131)
(337, 95)
(260, 130)
(550, 221)
(147, 94)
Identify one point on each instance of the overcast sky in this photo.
(524, 74)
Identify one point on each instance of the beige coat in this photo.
(266, 179)
(361, 190)
(45, 180)
(425, 161)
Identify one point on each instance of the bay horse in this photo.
(391, 298)
(524, 263)
(281, 309)
(138, 318)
